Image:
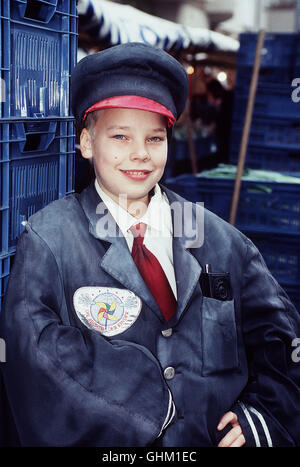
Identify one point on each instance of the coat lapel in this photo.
(187, 268)
(117, 261)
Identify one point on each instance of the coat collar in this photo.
(118, 261)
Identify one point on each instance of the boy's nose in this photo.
(140, 153)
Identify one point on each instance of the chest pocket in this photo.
(219, 336)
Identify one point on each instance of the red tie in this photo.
(152, 273)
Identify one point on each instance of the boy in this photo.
(117, 334)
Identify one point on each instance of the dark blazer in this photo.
(69, 384)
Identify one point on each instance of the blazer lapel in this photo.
(117, 261)
(185, 238)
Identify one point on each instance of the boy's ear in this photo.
(86, 144)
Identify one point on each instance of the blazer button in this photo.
(167, 332)
(169, 372)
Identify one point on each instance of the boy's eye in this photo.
(119, 137)
(156, 139)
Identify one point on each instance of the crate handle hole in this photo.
(36, 10)
(33, 142)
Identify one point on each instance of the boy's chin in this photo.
(136, 195)
(141, 192)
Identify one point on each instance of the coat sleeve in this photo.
(69, 386)
(269, 407)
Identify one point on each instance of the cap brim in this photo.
(132, 102)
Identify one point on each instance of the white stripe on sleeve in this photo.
(251, 423)
(264, 425)
(170, 414)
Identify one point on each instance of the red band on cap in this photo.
(132, 102)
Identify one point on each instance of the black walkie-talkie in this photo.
(215, 284)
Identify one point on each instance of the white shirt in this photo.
(158, 237)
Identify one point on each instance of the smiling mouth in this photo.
(137, 175)
(136, 172)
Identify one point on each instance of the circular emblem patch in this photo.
(105, 309)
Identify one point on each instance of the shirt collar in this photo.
(157, 217)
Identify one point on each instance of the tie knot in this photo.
(138, 232)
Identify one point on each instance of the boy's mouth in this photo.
(136, 174)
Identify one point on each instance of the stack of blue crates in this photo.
(274, 141)
(274, 144)
(268, 212)
(38, 50)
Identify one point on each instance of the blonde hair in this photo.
(91, 120)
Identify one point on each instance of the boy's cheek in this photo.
(163, 162)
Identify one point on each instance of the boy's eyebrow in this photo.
(118, 127)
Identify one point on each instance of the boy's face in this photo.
(129, 150)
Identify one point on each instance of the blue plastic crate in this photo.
(278, 58)
(273, 133)
(36, 167)
(263, 206)
(271, 100)
(278, 75)
(260, 157)
(281, 254)
(38, 48)
(297, 53)
(179, 149)
(278, 50)
(5, 267)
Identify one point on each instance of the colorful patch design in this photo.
(107, 310)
